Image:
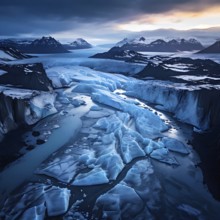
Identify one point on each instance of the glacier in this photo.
(113, 147)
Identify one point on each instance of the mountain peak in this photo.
(142, 39)
(46, 41)
(47, 45)
(79, 43)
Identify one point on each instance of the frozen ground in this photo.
(104, 155)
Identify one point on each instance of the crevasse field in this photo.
(107, 153)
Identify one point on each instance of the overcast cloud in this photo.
(43, 17)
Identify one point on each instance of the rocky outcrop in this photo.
(8, 54)
(117, 53)
(171, 69)
(20, 107)
(27, 76)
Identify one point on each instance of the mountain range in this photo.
(159, 45)
(204, 35)
(44, 45)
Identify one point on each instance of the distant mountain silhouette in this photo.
(43, 45)
(140, 44)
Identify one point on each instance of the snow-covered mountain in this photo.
(140, 44)
(138, 40)
(8, 54)
(44, 45)
(214, 48)
(79, 43)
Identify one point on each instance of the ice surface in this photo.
(130, 148)
(121, 202)
(173, 97)
(66, 166)
(39, 198)
(147, 122)
(152, 145)
(73, 212)
(94, 177)
(57, 201)
(112, 163)
(141, 177)
(62, 169)
(150, 125)
(129, 140)
(99, 114)
(103, 153)
(162, 154)
(136, 192)
(64, 76)
(175, 145)
(41, 106)
(34, 213)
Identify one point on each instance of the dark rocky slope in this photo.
(117, 53)
(214, 48)
(8, 54)
(169, 68)
(28, 76)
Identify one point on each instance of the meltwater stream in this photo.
(22, 169)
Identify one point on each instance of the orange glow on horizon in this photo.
(175, 20)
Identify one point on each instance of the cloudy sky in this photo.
(102, 21)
